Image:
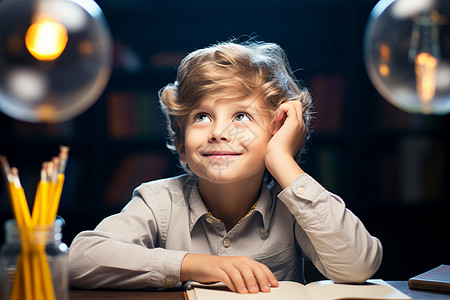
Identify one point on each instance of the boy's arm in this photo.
(123, 252)
(99, 260)
(332, 236)
(288, 137)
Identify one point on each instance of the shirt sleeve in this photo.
(333, 238)
(124, 252)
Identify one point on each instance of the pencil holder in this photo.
(33, 262)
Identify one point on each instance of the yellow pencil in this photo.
(21, 200)
(56, 195)
(39, 207)
(33, 280)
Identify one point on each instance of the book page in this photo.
(287, 290)
(371, 289)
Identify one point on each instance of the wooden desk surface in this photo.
(179, 295)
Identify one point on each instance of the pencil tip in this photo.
(64, 152)
(14, 171)
(4, 163)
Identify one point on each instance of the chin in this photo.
(226, 173)
(220, 179)
(224, 178)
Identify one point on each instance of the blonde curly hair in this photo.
(240, 70)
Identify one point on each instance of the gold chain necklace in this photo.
(240, 221)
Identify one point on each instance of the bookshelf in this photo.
(391, 168)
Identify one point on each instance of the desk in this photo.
(418, 294)
(178, 295)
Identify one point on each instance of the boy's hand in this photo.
(289, 131)
(289, 134)
(240, 273)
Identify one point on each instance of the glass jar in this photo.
(34, 262)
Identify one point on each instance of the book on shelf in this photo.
(131, 171)
(437, 279)
(134, 114)
(290, 290)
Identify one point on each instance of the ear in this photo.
(180, 149)
(280, 117)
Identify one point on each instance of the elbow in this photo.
(361, 269)
(76, 271)
(82, 267)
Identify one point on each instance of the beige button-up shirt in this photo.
(143, 246)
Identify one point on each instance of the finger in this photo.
(272, 279)
(299, 108)
(291, 110)
(265, 278)
(262, 279)
(299, 101)
(295, 109)
(248, 274)
(228, 282)
(299, 114)
(236, 279)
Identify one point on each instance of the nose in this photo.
(220, 132)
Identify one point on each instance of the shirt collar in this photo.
(266, 207)
(197, 210)
(196, 207)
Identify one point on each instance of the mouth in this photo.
(221, 154)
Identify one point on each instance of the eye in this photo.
(242, 117)
(202, 117)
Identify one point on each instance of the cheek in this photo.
(193, 140)
(257, 140)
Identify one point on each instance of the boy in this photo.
(246, 212)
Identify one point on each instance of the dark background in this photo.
(390, 167)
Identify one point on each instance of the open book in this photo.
(289, 290)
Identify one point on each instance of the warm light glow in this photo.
(425, 68)
(385, 52)
(46, 112)
(46, 39)
(384, 70)
(385, 57)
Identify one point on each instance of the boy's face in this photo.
(225, 140)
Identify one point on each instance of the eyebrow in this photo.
(259, 109)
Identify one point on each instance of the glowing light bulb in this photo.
(407, 56)
(55, 58)
(46, 39)
(425, 67)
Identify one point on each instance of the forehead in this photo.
(253, 103)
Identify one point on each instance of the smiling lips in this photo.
(221, 154)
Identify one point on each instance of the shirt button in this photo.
(169, 281)
(300, 190)
(209, 220)
(226, 242)
(264, 234)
